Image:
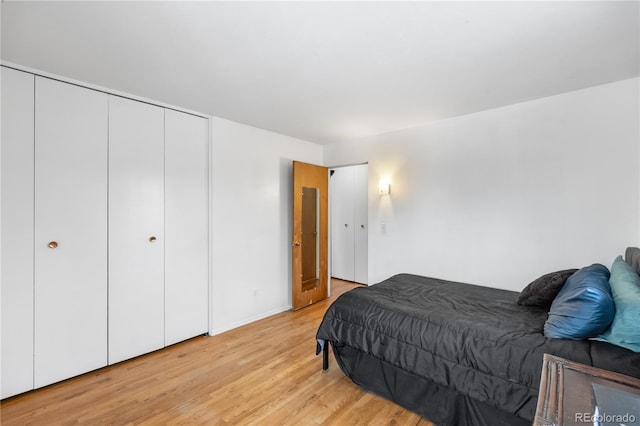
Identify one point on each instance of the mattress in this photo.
(464, 345)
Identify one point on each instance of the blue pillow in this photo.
(584, 306)
(625, 288)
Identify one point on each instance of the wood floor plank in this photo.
(264, 373)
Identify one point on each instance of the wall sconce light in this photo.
(384, 187)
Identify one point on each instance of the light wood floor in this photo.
(265, 373)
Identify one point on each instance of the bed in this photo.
(454, 353)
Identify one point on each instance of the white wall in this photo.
(502, 196)
(252, 221)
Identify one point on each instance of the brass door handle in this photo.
(52, 244)
(152, 239)
(296, 244)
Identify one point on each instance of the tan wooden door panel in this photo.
(310, 234)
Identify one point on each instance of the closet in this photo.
(104, 229)
(16, 153)
(186, 224)
(136, 228)
(70, 240)
(349, 223)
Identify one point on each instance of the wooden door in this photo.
(17, 232)
(310, 234)
(186, 226)
(70, 230)
(136, 228)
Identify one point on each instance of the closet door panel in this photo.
(136, 228)
(17, 231)
(70, 230)
(342, 234)
(361, 215)
(186, 226)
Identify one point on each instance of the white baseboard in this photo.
(218, 330)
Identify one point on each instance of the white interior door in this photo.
(70, 230)
(17, 231)
(136, 228)
(342, 223)
(361, 222)
(186, 226)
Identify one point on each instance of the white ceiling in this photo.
(329, 71)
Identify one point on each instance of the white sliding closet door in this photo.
(342, 224)
(349, 223)
(136, 228)
(70, 230)
(361, 223)
(17, 232)
(186, 220)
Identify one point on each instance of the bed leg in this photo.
(325, 356)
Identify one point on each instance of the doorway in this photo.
(349, 211)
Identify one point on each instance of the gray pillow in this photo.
(632, 257)
(543, 290)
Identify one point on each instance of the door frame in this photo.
(331, 218)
